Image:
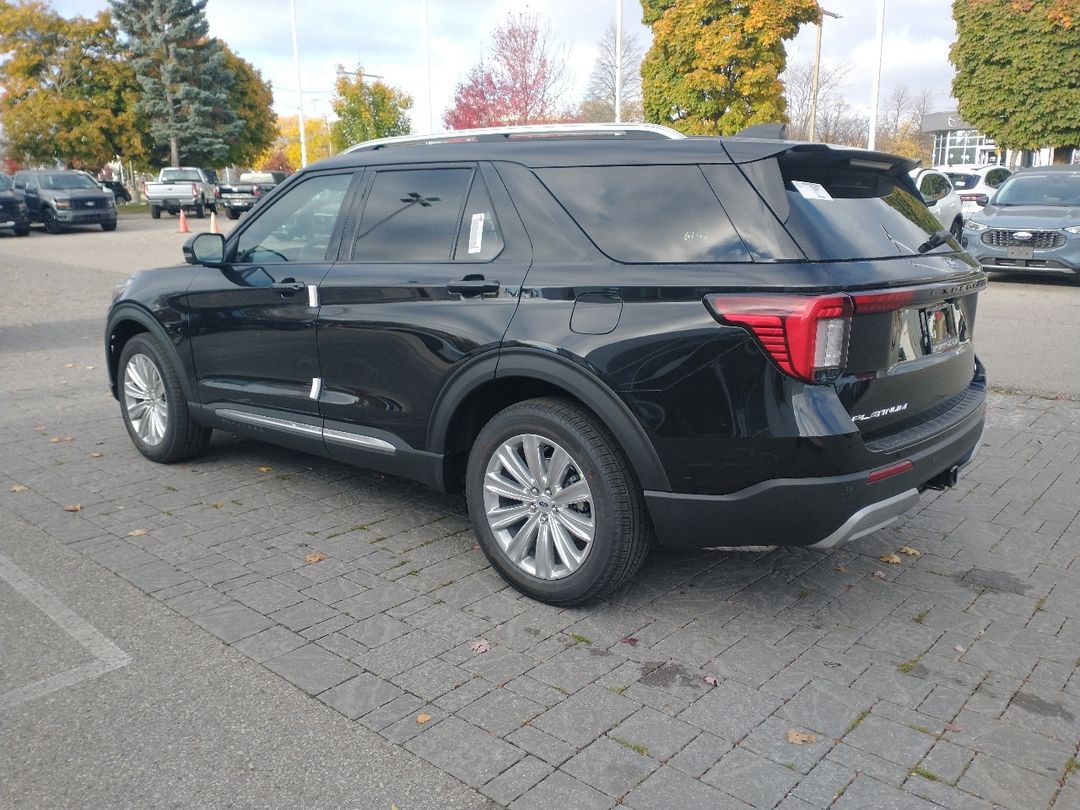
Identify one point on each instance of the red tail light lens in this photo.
(805, 335)
(256, 191)
(194, 191)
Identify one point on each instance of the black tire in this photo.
(49, 220)
(622, 531)
(232, 213)
(108, 226)
(155, 212)
(181, 438)
(23, 231)
(200, 210)
(957, 229)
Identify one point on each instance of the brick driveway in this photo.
(947, 680)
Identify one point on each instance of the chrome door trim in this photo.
(360, 440)
(304, 429)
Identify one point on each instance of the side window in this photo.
(411, 215)
(479, 239)
(996, 177)
(296, 226)
(19, 181)
(933, 186)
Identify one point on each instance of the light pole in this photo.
(876, 87)
(299, 87)
(812, 133)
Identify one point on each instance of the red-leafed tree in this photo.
(521, 83)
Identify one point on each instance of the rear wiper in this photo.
(936, 240)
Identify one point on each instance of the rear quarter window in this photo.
(647, 214)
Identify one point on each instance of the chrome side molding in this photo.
(304, 429)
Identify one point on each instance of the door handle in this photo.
(473, 285)
(288, 287)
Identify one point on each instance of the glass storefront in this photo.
(964, 146)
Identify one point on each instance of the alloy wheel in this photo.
(145, 401)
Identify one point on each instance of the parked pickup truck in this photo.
(247, 191)
(187, 188)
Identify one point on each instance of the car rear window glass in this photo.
(5, 184)
(647, 214)
(479, 238)
(934, 186)
(1040, 189)
(842, 207)
(963, 182)
(411, 215)
(180, 176)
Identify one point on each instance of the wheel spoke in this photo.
(575, 493)
(534, 457)
(142, 427)
(577, 523)
(503, 516)
(131, 390)
(564, 544)
(157, 425)
(519, 545)
(137, 409)
(498, 485)
(512, 464)
(544, 556)
(558, 464)
(135, 374)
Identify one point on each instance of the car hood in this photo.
(1028, 216)
(75, 193)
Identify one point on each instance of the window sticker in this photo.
(476, 233)
(811, 191)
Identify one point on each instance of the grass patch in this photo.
(804, 593)
(1040, 605)
(923, 729)
(580, 639)
(907, 666)
(359, 527)
(854, 724)
(637, 748)
(919, 619)
(617, 690)
(170, 488)
(1071, 765)
(919, 770)
(789, 765)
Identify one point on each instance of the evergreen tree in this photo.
(184, 78)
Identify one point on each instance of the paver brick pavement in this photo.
(950, 680)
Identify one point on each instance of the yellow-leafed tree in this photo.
(284, 153)
(714, 66)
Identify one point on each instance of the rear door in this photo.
(429, 278)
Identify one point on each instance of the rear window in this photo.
(842, 207)
(180, 176)
(647, 214)
(963, 182)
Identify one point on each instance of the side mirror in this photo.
(982, 200)
(207, 249)
(929, 202)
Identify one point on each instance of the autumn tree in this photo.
(599, 102)
(798, 82)
(714, 66)
(899, 125)
(184, 78)
(67, 95)
(521, 82)
(367, 110)
(251, 99)
(283, 153)
(1018, 70)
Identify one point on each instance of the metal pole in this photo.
(427, 66)
(618, 61)
(871, 142)
(299, 88)
(812, 131)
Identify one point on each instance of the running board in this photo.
(303, 429)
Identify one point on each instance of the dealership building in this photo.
(956, 142)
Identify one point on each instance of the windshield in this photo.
(68, 180)
(180, 175)
(962, 182)
(1040, 189)
(5, 183)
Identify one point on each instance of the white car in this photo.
(941, 199)
(975, 184)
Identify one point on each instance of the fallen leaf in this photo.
(89, 368)
(422, 718)
(70, 365)
(138, 532)
(954, 727)
(218, 504)
(630, 640)
(18, 488)
(960, 649)
(95, 455)
(68, 439)
(911, 552)
(266, 468)
(39, 428)
(840, 569)
(481, 645)
(711, 680)
(315, 556)
(800, 737)
(55, 440)
(74, 507)
(879, 575)
(890, 558)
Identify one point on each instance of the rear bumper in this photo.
(820, 512)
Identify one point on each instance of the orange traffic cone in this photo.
(183, 223)
(213, 223)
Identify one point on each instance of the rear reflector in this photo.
(869, 303)
(888, 472)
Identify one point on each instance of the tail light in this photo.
(256, 191)
(805, 335)
(145, 195)
(194, 190)
(217, 192)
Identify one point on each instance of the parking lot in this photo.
(260, 627)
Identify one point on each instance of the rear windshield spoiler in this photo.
(748, 150)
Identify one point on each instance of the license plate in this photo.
(1020, 252)
(940, 328)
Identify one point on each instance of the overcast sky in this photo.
(386, 37)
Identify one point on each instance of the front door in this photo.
(253, 322)
(429, 279)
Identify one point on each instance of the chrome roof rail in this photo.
(504, 134)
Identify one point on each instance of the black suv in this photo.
(13, 213)
(601, 335)
(59, 198)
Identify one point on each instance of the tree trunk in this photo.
(174, 152)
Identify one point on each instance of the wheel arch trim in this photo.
(127, 311)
